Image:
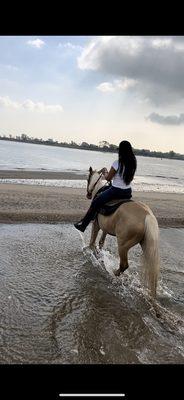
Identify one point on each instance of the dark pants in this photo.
(107, 194)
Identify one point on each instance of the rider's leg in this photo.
(98, 202)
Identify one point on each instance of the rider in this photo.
(122, 172)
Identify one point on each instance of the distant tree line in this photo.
(103, 146)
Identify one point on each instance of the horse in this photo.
(132, 223)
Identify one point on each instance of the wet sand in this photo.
(24, 203)
(26, 174)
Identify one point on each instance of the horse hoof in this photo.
(86, 247)
(117, 272)
(120, 271)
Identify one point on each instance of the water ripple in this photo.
(61, 303)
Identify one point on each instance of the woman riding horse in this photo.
(122, 173)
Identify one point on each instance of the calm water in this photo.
(60, 304)
(152, 173)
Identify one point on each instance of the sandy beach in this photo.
(24, 203)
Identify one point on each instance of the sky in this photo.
(94, 88)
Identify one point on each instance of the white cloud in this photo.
(70, 46)
(89, 58)
(118, 84)
(38, 43)
(125, 83)
(93, 54)
(162, 42)
(29, 105)
(6, 102)
(9, 67)
(106, 87)
(156, 63)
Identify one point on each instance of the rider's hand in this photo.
(104, 171)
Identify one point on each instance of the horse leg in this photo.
(94, 233)
(123, 260)
(102, 240)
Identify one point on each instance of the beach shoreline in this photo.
(30, 203)
(41, 174)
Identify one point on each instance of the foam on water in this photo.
(132, 286)
(140, 185)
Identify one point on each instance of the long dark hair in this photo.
(128, 160)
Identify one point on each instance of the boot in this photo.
(82, 225)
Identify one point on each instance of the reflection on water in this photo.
(60, 304)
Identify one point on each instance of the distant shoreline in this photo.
(90, 147)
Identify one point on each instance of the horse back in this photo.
(129, 216)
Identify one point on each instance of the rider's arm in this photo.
(109, 175)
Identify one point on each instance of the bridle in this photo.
(90, 192)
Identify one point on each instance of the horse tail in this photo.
(151, 258)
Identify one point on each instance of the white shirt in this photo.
(118, 180)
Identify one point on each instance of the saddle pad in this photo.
(110, 207)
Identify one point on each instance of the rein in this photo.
(95, 184)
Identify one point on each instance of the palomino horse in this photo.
(133, 222)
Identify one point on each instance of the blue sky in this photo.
(91, 89)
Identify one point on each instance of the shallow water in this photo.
(140, 184)
(152, 174)
(61, 304)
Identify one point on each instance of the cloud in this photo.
(161, 42)
(106, 87)
(29, 105)
(38, 43)
(155, 63)
(9, 67)
(118, 84)
(6, 102)
(166, 120)
(70, 46)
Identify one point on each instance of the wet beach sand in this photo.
(26, 174)
(25, 203)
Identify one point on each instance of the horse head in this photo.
(93, 178)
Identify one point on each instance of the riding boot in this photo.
(82, 225)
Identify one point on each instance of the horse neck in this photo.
(98, 186)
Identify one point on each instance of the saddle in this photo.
(110, 207)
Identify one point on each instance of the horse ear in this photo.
(90, 170)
